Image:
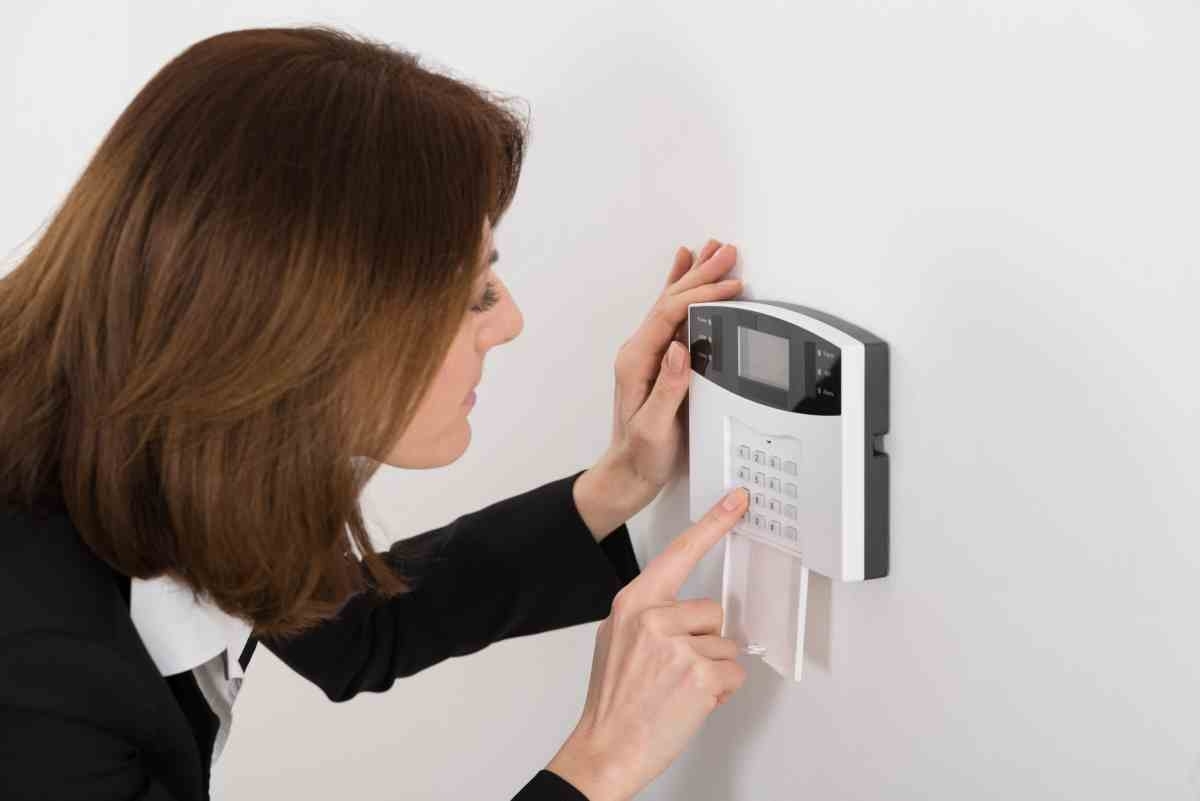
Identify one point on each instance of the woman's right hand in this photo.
(659, 668)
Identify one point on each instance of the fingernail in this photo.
(732, 499)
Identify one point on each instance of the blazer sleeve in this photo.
(549, 786)
(69, 726)
(522, 565)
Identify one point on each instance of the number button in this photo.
(773, 461)
(743, 473)
(772, 527)
(773, 484)
(759, 479)
(773, 505)
(759, 457)
(744, 451)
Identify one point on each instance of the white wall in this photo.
(1006, 192)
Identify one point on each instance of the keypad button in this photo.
(773, 505)
(789, 490)
(743, 473)
(744, 451)
(759, 499)
(759, 479)
(790, 512)
(773, 461)
(757, 520)
(773, 484)
(790, 468)
(772, 527)
(791, 533)
(760, 457)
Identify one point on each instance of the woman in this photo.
(280, 237)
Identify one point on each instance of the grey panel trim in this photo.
(876, 548)
(877, 543)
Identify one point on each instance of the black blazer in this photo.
(84, 713)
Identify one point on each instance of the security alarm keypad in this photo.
(768, 468)
(792, 404)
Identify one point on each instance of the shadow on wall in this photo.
(666, 173)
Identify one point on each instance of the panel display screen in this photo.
(763, 357)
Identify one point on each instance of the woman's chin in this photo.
(446, 450)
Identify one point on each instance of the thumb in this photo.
(670, 388)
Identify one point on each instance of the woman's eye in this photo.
(489, 299)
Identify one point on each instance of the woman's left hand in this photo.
(648, 430)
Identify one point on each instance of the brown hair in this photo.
(237, 308)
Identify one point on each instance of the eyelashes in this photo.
(490, 298)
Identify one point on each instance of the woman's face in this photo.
(440, 433)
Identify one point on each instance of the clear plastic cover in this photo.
(764, 594)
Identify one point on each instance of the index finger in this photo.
(667, 572)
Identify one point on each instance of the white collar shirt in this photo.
(182, 633)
